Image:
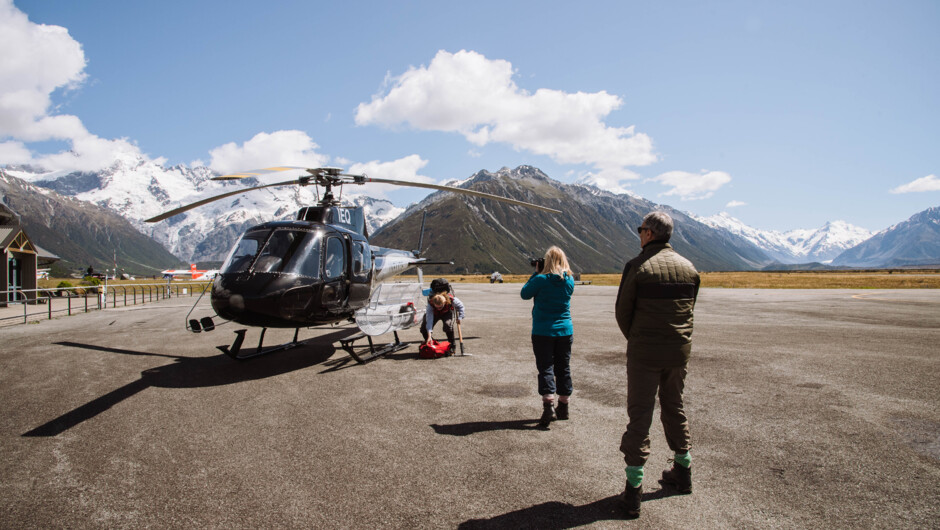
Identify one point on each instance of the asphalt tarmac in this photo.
(809, 409)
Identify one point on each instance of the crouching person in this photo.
(443, 307)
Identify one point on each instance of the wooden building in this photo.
(21, 259)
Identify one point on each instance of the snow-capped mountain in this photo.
(597, 228)
(911, 243)
(82, 234)
(795, 246)
(138, 189)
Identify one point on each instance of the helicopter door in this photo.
(360, 286)
(334, 275)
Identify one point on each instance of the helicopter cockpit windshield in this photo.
(276, 250)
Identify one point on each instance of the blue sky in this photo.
(783, 114)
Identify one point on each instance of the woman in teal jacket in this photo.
(551, 287)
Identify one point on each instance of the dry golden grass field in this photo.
(867, 279)
(874, 279)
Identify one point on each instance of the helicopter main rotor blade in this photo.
(181, 209)
(256, 172)
(459, 190)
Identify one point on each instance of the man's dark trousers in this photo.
(644, 379)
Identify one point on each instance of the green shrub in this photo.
(63, 285)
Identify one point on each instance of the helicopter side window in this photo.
(335, 258)
(244, 252)
(357, 257)
(366, 258)
(278, 251)
(362, 258)
(306, 260)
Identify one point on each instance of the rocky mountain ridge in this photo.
(82, 233)
(599, 222)
(596, 228)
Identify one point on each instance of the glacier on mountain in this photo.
(795, 246)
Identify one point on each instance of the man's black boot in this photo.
(548, 414)
(679, 478)
(561, 411)
(631, 499)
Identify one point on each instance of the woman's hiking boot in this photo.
(548, 414)
(561, 411)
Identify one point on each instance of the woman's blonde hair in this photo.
(555, 262)
(439, 300)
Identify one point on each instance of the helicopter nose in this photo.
(236, 303)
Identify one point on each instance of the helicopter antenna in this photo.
(421, 237)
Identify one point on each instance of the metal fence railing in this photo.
(20, 306)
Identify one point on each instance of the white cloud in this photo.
(691, 186)
(280, 148)
(401, 169)
(14, 153)
(928, 183)
(735, 204)
(295, 148)
(612, 181)
(90, 153)
(35, 61)
(467, 93)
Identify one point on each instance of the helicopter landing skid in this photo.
(236, 347)
(347, 344)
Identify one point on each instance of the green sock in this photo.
(634, 476)
(683, 459)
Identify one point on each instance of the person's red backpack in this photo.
(433, 349)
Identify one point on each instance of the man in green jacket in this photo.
(654, 311)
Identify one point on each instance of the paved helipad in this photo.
(808, 409)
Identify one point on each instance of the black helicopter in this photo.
(316, 269)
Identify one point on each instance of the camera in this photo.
(538, 263)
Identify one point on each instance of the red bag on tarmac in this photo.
(433, 349)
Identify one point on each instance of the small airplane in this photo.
(192, 272)
(318, 269)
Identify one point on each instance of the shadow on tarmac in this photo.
(554, 516)
(466, 429)
(559, 515)
(194, 372)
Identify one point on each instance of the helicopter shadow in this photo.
(407, 354)
(193, 372)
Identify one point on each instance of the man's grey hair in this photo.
(660, 225)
